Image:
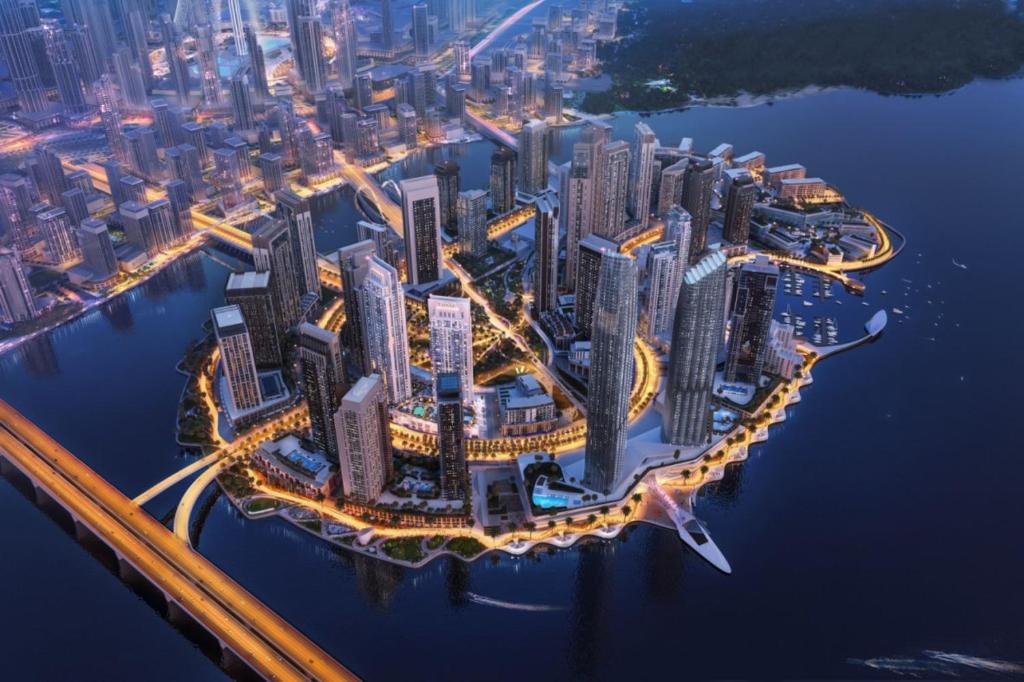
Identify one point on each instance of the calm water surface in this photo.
(881, 521)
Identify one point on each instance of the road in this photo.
(257, 635)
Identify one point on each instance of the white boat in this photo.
(808, 304)
(692, 531)
(897, 311)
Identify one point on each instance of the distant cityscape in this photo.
(548, 353)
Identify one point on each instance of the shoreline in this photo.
(747, 100)
(518, 546)
(17, 341)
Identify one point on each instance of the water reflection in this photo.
(457, 582)
(39, 357)
(377, 580)
(118, 312)
(591, 604)
(186, 271)
(664, 567)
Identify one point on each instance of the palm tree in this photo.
(626, 510)
(637, 497)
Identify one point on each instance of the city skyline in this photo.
(422, 305)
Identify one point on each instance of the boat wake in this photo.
(512, 606)
(940, 663)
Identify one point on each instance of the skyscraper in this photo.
(460, 49)
(545, 267)
(16, 49)
(364, 440)
(753, 299)
(181, 207)
(533, 157)
(698, 186)
(236, 359)
(135, 32)
(323, 384)
(450, 437)
(65, 67)
(97, 248)
(96, 16)
(251, 292)
(591, 250)
(307, 39)
(611, 371)
(670, 190)
(241, 101)
(420, 31)
(503, 180)
(380, 235)
(345, 42)
(407, 125)
(387, 27)
(421, 219)
(385, 340)
(353, 262)
(696, 338)
(472, 220)
(611, 190)
(257, 62)
(73, 201)
(138, 227)
(176, 61)
(451, 339)
(235, 14)
(55, 226)
(206, 56)
(273, 252)
(660, 303)
(16, 301)
(576, 196)
(15, 200)
(447, 174)
(272, 170)
(48, 172)
(641, 172)
(298, 217)
(739, 207)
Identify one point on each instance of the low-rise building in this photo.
(802, 189)
(781, 357)
(525, 408)
(579, 359)
(288, 465)
(857, 247)
(829, 254)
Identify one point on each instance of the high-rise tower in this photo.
(611, 371)
(696, 339)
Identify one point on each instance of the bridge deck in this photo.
(243, 624)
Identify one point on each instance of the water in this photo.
(881, 520)
(474, 159)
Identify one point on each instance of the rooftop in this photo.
(248, 280)
(228, 316)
